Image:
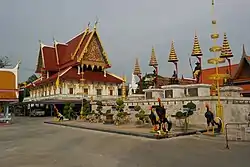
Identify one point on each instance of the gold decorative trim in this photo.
(85, 47)
(79, 44)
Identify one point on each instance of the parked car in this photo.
(37, 113)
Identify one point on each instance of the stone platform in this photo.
(130, 129)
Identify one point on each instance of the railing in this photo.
(240, 130)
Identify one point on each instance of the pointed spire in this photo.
(172, 56)
(226, 51)
(244, 53)
(96, 22)
(153, 60)
(55, 41)
(41, 44)
(137, 70)
(196, 47)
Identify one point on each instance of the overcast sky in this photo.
(128, 29)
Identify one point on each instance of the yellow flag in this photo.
(57, 81)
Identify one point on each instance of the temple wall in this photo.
(173, 97)
(235, 108)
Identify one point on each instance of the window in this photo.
(71, 91)
(86, 91)
(168, 93)
(149, 95)
(98, 92)
(193, 92)
(111, 92)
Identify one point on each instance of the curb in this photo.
(136, 134)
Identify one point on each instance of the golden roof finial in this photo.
(153, 60)
(244, 53)
(137, 70)
(172, 56)
(124, 78)
(226, 51)
(196, 47)
(96, 22)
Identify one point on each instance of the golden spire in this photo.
(137, 70)
(196, 47)
(226, 51)
(172, 56)
(153, 61)
(124, 87)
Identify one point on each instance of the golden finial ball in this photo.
(213, 21)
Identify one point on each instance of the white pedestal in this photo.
(230, 91)
(178, 90)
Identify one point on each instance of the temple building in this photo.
(8, 90)
(74, 70)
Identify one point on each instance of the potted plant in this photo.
(121, 116)
(141, 116)
(68, 111)
(188, 110)
(109, 117)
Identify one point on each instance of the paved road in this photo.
(30, 143)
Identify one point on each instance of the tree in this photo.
(5, 62)
(31, 79)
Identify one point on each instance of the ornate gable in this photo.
(93, 53)
(40, 64)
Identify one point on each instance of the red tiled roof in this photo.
(222, 70)
(64, 51)
(71, 74)
(236, 68)
(50, 60)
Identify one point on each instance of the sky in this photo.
(128, 29)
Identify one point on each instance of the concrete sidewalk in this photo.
(130, 129)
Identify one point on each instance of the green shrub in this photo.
(179, 114)
(137, 108)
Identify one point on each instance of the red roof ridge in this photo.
(60, 43)
(113, 75)
(74, 37)
(43, 45)
(65, 71)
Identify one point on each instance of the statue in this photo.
(134, 85)
(197, 72)
(174, 79)
(160, 118)
(174, 75)
(130, 89)
(213, 121)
